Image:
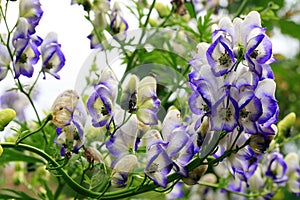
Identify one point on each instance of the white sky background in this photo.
(72, 28)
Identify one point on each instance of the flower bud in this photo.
(285, 125)
(6, 116)
(209, 178)
(292, 161)
(162, 9)
(204, 127)
(92, 155)
(1, 150)
(195, 175)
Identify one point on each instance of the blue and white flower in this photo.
(139, 97)
(32, 11)
(52, 56)
(26, 47)
(101, 102)
(276, 167)
(118, 25)
(123, 145)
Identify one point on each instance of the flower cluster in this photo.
(23, 49)
(173, 148)
(233, 85)
(117, 25)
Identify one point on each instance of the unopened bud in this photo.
(195, 175)
(285, 125)
(292, 161)
(162, 9)
(204, 127)
(1, 150)
(92, 155)
(6, 116)
(209, 178)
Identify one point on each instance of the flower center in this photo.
(224, 59)
(23, 58)
(132, 103)
(254, 54)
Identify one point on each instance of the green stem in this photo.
(48, 118)
(241, 8)
(131, 60)
(211, 185)
(59, 188)
(33, 106)
(74, 185)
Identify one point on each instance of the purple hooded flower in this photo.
(32, 11)
(102, 101)
(140, 97)
(52, 56)
(123, 145)
(180, 146)
(118, 24)
(276, 167)
(69, 116)
(159, 164)
(27, 53)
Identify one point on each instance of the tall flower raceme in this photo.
(69, 115)
(26, 47)
(173, 149)
(52, 56)
(139, 97)
(31, 10)
(101, 102)
(233, 85)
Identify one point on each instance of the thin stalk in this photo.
(241, 8)
(48, 118)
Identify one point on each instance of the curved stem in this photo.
(48, 118)
(74, 185)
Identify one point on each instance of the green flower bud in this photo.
(153, 22)
(285, 125)
(1, 150)
(6, 116)
(162, 9)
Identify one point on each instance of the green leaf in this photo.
(190, 8)
(209, 143)
(290, 28)
(10, 155)
(19, 194)
(49, 192)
